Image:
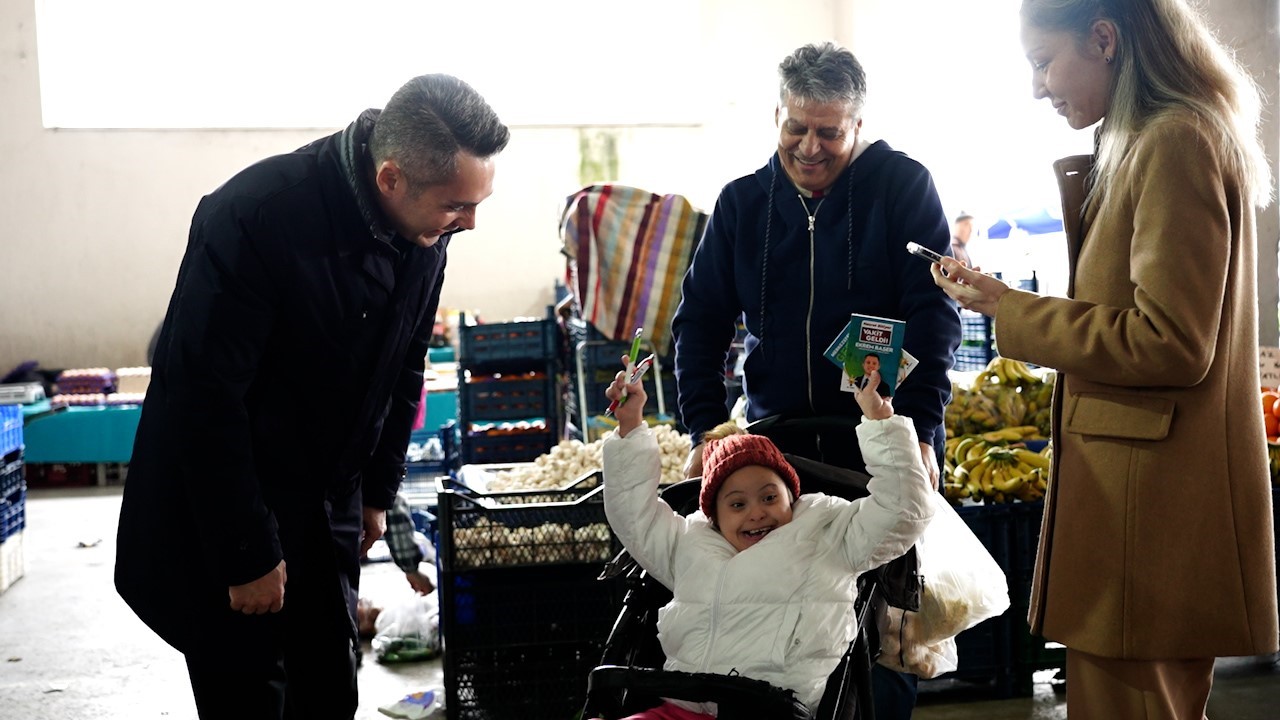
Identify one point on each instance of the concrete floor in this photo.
(71, 649)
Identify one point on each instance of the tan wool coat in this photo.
(1157, 540)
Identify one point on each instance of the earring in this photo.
(1107, 59)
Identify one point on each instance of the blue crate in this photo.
(975, 328)
(508, 397)
(499, 343)
(10, 429)
(973, 357)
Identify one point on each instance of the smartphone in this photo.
(917, 249)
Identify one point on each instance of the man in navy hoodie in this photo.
(791, 251)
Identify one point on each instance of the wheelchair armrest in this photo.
(736, 695)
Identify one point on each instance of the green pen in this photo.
(631, 368)
(635, 350)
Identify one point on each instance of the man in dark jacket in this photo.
(284, 386)
(791, 251)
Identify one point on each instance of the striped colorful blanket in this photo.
(628, 250)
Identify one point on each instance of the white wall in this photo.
(93, 223)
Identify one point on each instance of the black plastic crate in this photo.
(984, 656)
(990, 524)
(13, 514)
(1024, 541)
(508, 396)
(517, 683)
(483, 447)
(12, 476)
(498, 343)
(528, 606)
(532, 528)
(523, 616)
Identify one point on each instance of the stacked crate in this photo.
(976, 346)
(523, 616)
(508, 391)
(13, 496)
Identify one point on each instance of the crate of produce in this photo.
(542, 527)
(508, 396)
(496, 343)
(522, 613)
(506, 443)
(10, 429)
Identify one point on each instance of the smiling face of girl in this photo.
(753, 502)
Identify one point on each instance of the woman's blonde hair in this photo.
(1166, 60)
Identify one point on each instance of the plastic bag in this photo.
(408, 630)
(962, 586)
(901, 651)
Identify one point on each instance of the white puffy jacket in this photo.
(780, 611)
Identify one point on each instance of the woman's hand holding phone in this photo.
(971, 289)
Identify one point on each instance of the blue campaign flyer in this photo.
(871, 343)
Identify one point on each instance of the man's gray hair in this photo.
(428, 121)
(822, 73)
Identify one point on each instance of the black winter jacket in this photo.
(284, 385)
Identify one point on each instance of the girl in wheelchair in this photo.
(762, 577)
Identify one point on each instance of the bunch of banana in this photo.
(971, 412)
(998, 474)
(1006, 371)
(971, 445)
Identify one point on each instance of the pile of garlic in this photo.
(571, 459)
(490, 543)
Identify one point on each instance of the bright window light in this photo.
(316, 63)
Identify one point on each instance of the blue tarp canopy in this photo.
(1033, 222)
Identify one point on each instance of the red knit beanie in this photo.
(725, 456)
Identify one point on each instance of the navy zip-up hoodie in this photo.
(795, 291)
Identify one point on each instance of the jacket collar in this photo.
(353, 155)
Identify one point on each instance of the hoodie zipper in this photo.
(808, 325)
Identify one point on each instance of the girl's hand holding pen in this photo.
(628, 396)
(970, 288)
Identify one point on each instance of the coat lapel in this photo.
(1073, 184)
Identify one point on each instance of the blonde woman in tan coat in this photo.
(1157, 549)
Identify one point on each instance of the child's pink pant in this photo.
(667, 711)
